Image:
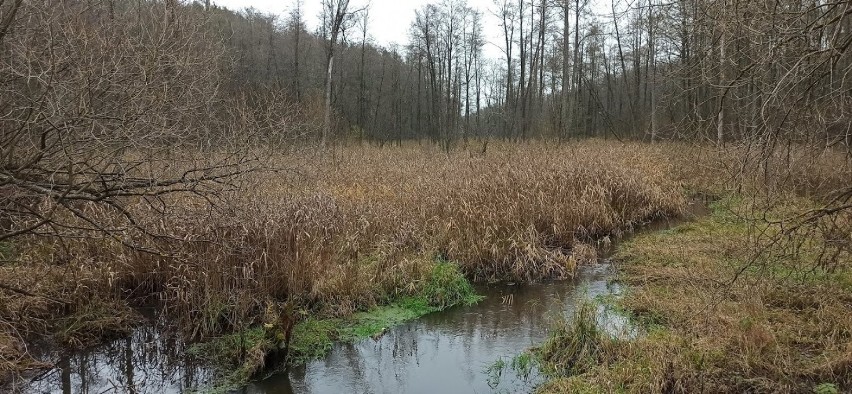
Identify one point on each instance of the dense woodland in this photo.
(687, 69)
(645, 70)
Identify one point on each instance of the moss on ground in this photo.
(7, 251)
(240, 356)
(717, 316)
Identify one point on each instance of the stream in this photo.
(443, 352)
(450, 351)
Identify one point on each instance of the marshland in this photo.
(510, 196)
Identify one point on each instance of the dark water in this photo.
(140, 363)
(445, 352)
(448, 352)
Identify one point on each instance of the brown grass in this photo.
(344, 231)
(362, 227)
(724, 319)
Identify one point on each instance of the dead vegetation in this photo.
(733, 302)
(343, 233)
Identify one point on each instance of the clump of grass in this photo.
(826, 388)
(720, 317)
(243, 355)
(7, 252)
(447, 286)
(495, 372)
(97, 320)
(578, 344)
(524, 364)
(243, 352)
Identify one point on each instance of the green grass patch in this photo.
(716, 315)
(312, 338)
(445, 287)
(522, 366)
(7, 252)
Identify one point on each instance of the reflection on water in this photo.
(449, 352)
(141, 363)
(446, 352)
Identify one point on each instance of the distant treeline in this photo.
(649, 69)
(688, 69)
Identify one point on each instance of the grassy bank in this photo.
(243, 355)
(333, 234)
(727, 304)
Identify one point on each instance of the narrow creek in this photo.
(448, 352)
(445, 352)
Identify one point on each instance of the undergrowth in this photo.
(242, 355)
(724, 306)
(338, 234)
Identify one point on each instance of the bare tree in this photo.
(297, 24)
(506, 13)
(93, 119)
(336, 18)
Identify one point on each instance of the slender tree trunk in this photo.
(362, 85)
(652, 58)
(566, 76)
(327, 127)
(575, 107)
(720, 123)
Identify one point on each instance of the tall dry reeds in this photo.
(341, 232)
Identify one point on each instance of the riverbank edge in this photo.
(734, 351)
(243, 356)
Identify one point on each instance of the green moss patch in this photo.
(445, 287)
(241, 355)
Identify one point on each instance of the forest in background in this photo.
(695, 70)
(643, 70)
(182, 155)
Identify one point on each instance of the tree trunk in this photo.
(720, 123)
(327, 126)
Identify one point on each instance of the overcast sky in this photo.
(389, 19)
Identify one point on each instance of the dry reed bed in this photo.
(753, 298)
(365, 226)
(353, 229)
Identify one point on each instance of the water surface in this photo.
(450, 351)
(143, 363)
(444, 352)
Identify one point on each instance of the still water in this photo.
(448, 352)
(445, 352)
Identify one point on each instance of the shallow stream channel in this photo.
(454, 351)
(464, 349)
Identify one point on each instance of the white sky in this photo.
(389, 19)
